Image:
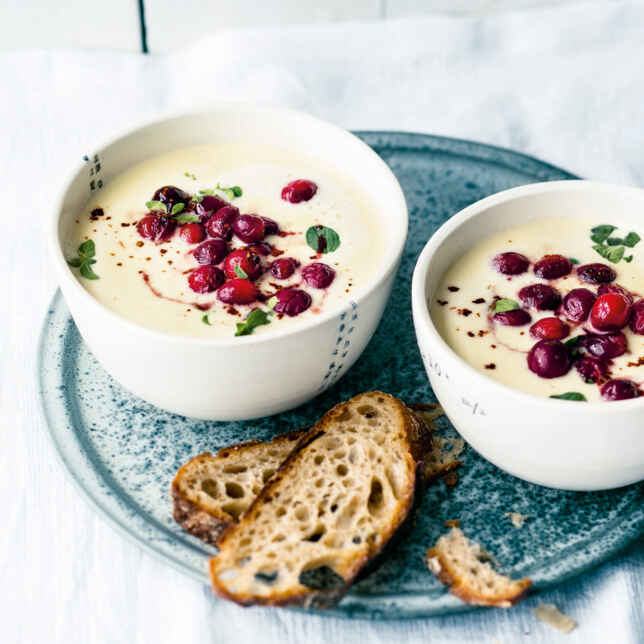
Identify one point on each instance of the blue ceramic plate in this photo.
(124, 452)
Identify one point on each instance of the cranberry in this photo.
(637, 318)
(157, 228)
(299, 190)
(549, 359)
(551, 267)
(244, 260)
(610, 312)
(170, 196)
(249, 228)
(549, 329)
(619, 389)
(284, 267)
(221, 223)
(318, 275)
(205, 279)
(592, 369)
(606, 347)
(518, 317)
(616, 288)
(292, 301)
(192, 233)
(540, 296)
(270, 226)
(212, 203)
(510, 263)
(577, 304)
(262, 249)
(596, 273)
(212, 251)
(238, 291)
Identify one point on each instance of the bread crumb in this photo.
(517, 519)
(550, 614)
(453, 523)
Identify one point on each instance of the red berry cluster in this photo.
(605, 313)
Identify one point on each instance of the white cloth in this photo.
(562, 84)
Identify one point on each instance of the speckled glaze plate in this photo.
(123, 452)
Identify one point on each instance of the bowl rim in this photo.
(420, 308)
(395, 245)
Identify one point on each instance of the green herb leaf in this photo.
(505, 304)
(187, 218)
(197, 198)
(631, 239)
(205, 320)
(190, 175)
(570, 395)
(84, 261)
(615, 241)
(628, 259)
(206, 192)
(156, 205)
(272, 302)
(240, 272)
(177, 208)
(611, 253)
(86, 270)
(232, 192)
(601, 233)
(75, 262)
(573, 260)
(573, 342)
(255, 318)
(87, 249)
(322, 239)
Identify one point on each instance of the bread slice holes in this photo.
(319, 483)
(342, 470)
(347, 482)
(375, 502)
(353, 455)
(334, 507)
(393, 483)
(302, 513)
(234, 490)
(347, 515)
(234, 509)
(242, 561)
(234, 469)
(367, 411)
(317, 534)
(357, 540)
(268, 578)
(276, 539)
(344, 415)
(210, 488)
(318, 459)
(320, 576)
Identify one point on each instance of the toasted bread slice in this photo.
(465, 567)
(329, 509)
(212, 491)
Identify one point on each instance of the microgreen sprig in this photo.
(85, 259)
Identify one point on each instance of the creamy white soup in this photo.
(551, 307)
(218, 240)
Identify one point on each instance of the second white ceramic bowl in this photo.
(242, 377)
(557, 443)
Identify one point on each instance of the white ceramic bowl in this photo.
(240, 377)
(558, 443)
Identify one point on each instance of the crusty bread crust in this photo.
(417, 440)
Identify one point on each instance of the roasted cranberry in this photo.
(511, 263)
(549, 329)
(619, 389)
(270, 226)
(637, 318)
(170, 196)
(238, 291)
(318, 275)
(551, 267)
(292, 301)
(249, 228)
(592, 369)
(610, 312)
(245, 262)
(205, 279)
(549, 359)
(284, 267)
(212, 203)
(221, 223)
(616, 288)
(577, 304)
(299, 190)
(192, 233)
(212, 251)
(596, 273)
(262, 249)
(518, 317)
(540, 296)
(156, 228)
(605, 347)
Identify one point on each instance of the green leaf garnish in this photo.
(573, 346)
(615, 241)
(272, 302)
(187, 218)
(255, 318)
(573, 260)
(206, 192)
(322, 239)
(190, 175)
(232, 192)
(177, 208)
(197, 198)
(505, 304)
(240, 272)
(611, 253)
(84, 261)
(156, 205)
(628, 259)
(570, 395)
(601, 233)
(631, 239)
(205, 320)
